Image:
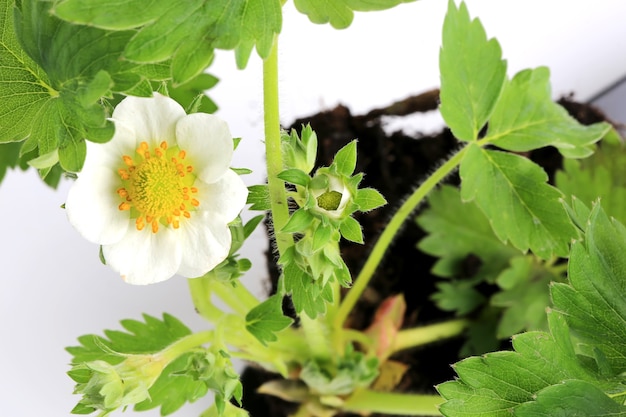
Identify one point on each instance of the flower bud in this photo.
(108, 387)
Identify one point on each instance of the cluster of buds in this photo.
(327, 200)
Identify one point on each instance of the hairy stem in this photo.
(393, 403)
(273, 151)
(201, 296)
(390, 232)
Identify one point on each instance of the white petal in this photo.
(224, 198)
(153, 119)
(92, 206)
(208, 143)
(143, 257)
(110, 154)
(205, 242)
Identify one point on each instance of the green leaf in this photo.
(458, 296)
(24, 87)
(472, 73)
(524, 297)
(340, 13)
(52, 94)
(345, 159)
(307, 293)
(594, 303)
(173, 389)
(368, 199)
(512, 192)
(259, 197)
(601, 176)
(186, 32)
(251, 225)
(351, 229)
(151, 335)
(266, 319)
(9, 157)
(457, 230)
(526, 118)
(552, 373)
(581, 398)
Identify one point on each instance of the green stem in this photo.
(390, 232)
(201, 296)
(273, 150)
(418, 336)
(393, 403)
(237, 297)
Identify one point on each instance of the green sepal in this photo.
(351, 229)
(345, 159)
(299, 221)
(368, 199)
(321, 236)
(295, 176)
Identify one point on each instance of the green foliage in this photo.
(602, 175)
(121, 354)
(210, 368)
(526, 117)
(470, 256)
(266, 319)
(258, 197)
(472, 73)
(185, 32)
(523, 296)
(9, 157)
(513, 193)
(148, 336)
(509, 189)
(577, 367)
(340, 13)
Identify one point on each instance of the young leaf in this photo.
(340, 13)
(472, 73)
(187, 32)
(526, 118)
(512, 192)
(266, 319)
(299, 221)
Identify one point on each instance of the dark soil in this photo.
(394, 164)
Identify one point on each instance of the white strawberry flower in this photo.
(159, 196)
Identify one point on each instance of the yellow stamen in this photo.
(155, 189)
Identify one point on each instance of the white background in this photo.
(53, 287)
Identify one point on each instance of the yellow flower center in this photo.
(157, 187)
